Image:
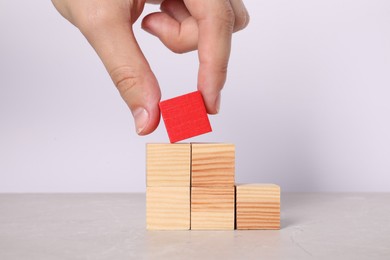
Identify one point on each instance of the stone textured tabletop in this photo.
(112, 226)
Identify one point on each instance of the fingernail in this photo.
(141, 118)
(218, 103)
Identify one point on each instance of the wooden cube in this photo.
(212, 208)
(168, 208)
(258, 206)
(168, 165)
(213, 165)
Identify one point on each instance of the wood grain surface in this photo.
(212, 208)
(168, 165)
(168, 208)
(258, 206)
(213, 165)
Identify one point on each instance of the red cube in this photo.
(185, 116)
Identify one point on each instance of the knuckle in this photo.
(228, 17)
(179, 47)
(93, 18)
(125, 79)
(181, 43)
(225, 16)
(166, 5)
(222, 70)
(242, 21)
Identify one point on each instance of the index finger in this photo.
(216, 22)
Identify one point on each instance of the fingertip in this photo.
(145, 121)
(218, 103)
(210, 83)
(159, 24)
(146, 23)
(147, 113)
(142, 95)
(212, 102)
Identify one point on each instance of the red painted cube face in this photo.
(185, 116)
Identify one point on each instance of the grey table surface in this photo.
(112, 226)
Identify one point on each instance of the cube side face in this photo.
(212, 165)
(168, 165)
(212, 208)
(258, 206)
(168, 208)
(185, 116)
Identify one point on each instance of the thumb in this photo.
(114, 42)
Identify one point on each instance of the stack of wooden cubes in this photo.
(191, 186)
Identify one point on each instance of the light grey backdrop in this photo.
(306, 101)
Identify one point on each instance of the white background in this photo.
(306, 101)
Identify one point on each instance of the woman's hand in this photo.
(182, 25)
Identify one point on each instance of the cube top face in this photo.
(259, 189)
(185, 116)
(168, 208)
(212, 208)
(258, 206)
(212, 165)
(168, 165)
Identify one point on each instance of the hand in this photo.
(182, 25)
